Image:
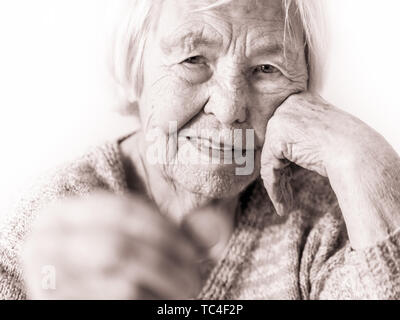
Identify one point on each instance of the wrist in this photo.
(367, 188)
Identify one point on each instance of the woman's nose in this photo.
(228, 102)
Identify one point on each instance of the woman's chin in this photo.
(214, 174)
(214, 181)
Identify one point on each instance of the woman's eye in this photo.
(195, 60)
(266, 68)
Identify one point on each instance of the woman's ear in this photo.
(130, 109)
(128, 103)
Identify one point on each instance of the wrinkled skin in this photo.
(108, 247)
(217, 85)
(362, 168)
(240, 79)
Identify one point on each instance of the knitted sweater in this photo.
(305, 255)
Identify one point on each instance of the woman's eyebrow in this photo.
(189, 41)
(276, 51)
(264, 46)
(268, 42)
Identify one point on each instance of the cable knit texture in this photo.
(305, 255)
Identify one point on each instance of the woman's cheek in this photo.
(173, 99)
(260, 113)
(267, 102)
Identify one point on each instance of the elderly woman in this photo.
(241, 182)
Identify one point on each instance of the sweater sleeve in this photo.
(10, 287)
(14, 227)
(99, 169)
(17, 224)
(333, 270)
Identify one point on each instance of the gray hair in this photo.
(130, 36)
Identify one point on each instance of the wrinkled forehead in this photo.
(268, 14)
(262, 9)
(265, 10)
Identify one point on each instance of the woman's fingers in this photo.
(99, 244)
(145, 273)
(151, 271)
(162, 235)
(211, 227)
(90, 265)
(293, 135)
(276, 175)
(130, 218)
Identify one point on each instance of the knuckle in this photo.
(273, 124)
(295, 98)
(287, 150)
(159, 262)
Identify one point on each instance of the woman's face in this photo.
(215, 72)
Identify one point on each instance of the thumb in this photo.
(211, 228)
(276, 175)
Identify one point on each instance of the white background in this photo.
(55, 98)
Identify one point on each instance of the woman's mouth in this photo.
(215, 149)
(205, 143)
